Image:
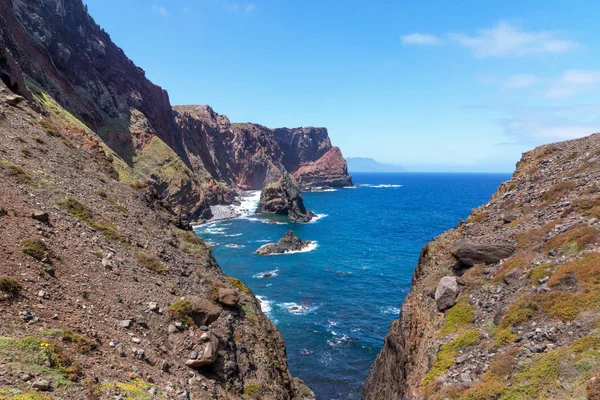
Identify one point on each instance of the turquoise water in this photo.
(351, 286)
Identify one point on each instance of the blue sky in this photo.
(431, 85)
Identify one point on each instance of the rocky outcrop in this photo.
(468, 254)
(284, 198)
(331, 170)
(525, 305)
(446, 293)
(288, 243)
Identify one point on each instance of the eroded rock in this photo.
(446, 293)
(289, 242)
(284, 198)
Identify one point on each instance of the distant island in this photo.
(363, 164)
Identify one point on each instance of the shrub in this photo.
(150, 262)
(79, 211)
(10, 287)
(573, 241)
(16, 172)
(253, 390)
(237, 284)
(50, 128)
(458, 317)
(26, 152)
(558, 190)
(35, 248)
(446, 357)
(39, 140)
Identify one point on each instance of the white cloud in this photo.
(501, 40)
(505, 40)
(520, 81)
(421, 39)
(573, 82)
(160, 10)
(544, 125)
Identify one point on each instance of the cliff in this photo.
(193, 157)
(103, 292)
(518, 284)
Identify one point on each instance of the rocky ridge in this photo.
(192, 156)
(505, 306)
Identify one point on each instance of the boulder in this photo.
(208, 356)
(446, 293)
(228, 297)
(41, 216)
(468, 254)
(42, 385)
(289, 242)
(511, 216)
(284, 198)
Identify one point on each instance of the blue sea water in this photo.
(333, 304)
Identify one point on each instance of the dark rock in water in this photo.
(289, 242)
(469, 254)
(284, 198)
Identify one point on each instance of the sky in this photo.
(430, 85)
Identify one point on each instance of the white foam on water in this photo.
(235, 246)
(271, 274)
(383, 185)
(264, 221)
(390, 310)
(310, 247)
(338, 340)
(265, 305)
(318, 217)
(234, 235)
(297, 309)
(248, 203)
(260, 241)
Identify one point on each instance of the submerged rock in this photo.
(289, 242)
(284, 198)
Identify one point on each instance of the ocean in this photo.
(334, 302)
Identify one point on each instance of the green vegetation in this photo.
(10, 287)
(446, 357)
(18, 394)
(82, 344)
(39, 140)
(79, 211)
(540, 272)
(237, 284)
(16, 172)
(474, 218)
(33, 355)
(35, 248)
(589, 207)
(150, 262)
(136, 389)
(573, 241)
(253, 390)
(180, 307)
(458, 317)
(520, 311)
(26, 152)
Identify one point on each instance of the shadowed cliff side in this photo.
(518, 286)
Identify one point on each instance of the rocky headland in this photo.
(284, 198)
(105, 293)
(288, 243)
(506, 305)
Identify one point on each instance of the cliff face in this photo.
(249, 156)
(520, 293)
(187, 157)
(102, 293)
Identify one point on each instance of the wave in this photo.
(248, 203)
(261, 241)
(268, 274)
(264, 220)
(389, 310)
(297, 309)
(318, 217)
(235, 246)
(265, 305)
(310, 247)
(234, 235)
(383, 185)
(339, 340)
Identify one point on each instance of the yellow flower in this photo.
(44, 345)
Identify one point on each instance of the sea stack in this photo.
(284, 198)
(289, 242)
